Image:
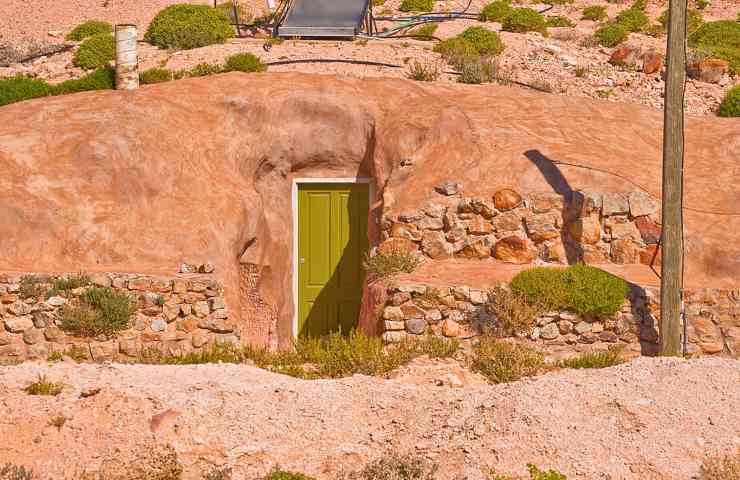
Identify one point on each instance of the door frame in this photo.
(294, 211)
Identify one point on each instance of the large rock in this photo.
(641, 204)
(408, 231)
(709, 70)
(506, 199)
(18, 324)
(435, 245)
(586, 230)
(397, 245)
(625, 56)
(513, 249)
(510, 221)
(543, 226)
(477, 247)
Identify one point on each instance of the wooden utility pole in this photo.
(671, 281)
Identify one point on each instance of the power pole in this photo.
(671, 280)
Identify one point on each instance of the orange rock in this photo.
(514, 249)
(652, 63)
(397, 244)
(506, 199)
(450, 328)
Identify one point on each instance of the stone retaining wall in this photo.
(460, 311)
(594, 228)
(175, 314)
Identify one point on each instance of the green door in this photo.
(332, 240)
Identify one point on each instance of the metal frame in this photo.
(367, 24)
(294, 211)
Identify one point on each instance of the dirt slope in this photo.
(649, 419)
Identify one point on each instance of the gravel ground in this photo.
(648, 419)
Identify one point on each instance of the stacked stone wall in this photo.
(620, 228)
(460, 311)
(174, 315)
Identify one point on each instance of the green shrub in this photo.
(426, 30)
(397, 467)
(456, 51)
(722, 39)
(611, 35)
(633, 19)
(559, 21)
(694, 20)
(30, 287)
(386, 263)
(537, 474)
(20, 87)
(478, 69)
(155, 75)
(423, 72)
(10, 471)
(598, 359)
(203, 69)
(95, 52)
(558, 2)
(582, 289)
(496, 11)
(279, 474)
(244, 62)
(522, 20)
(485, 42)
(730, 106)
(65, 285)
(186, 26)
(702, 4)
(594, 292)
(100, 79)
(416, 5)
(512, 312)
(43, 386)
(542, 287)
(100, 311)
(88, 29)
(596, 13)
(502, 362)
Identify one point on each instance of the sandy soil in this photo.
(648, 419)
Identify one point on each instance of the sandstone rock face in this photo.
(336, 127)
(709, 70)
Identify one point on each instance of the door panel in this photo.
(332, 241)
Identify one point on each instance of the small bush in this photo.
(502, 362)
(722, 39)
(456, 51)
(155, 75)
(633, 20)
(558, 2)
(496, 11)
(478, 69)
(385, 264)
(611, 35)
(525, 20)
(425, 32)
(203, 69)
(186, 26)
(416, 5)
(55, 357)
(511, 311)
(598, 359)
(10, 471)
(78, 353)
(694, 20)
(559, 21)
(581, 72)
(397, 467)
(484, 41)
(702, 4)
(95, 52)
(279, 474)
(100, 79)
(423, 72)
(730, 106)
(20, 87)
(639, 5)
(596, 13)
(88, 29)
(30, 287)
(57, 421)
(244, 62)
(537, 474)
(723, 467)
(583, 289)
(43, 386)
(100, 311)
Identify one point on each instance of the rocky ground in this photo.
(564, 63)
(649, 419)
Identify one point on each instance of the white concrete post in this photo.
(127, 60)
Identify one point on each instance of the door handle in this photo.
(302, 260)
